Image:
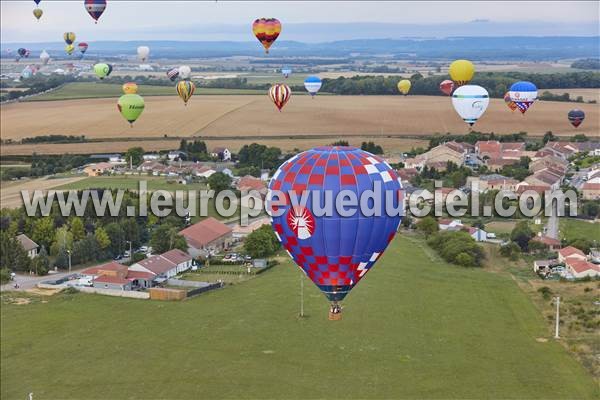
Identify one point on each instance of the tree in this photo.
(135, 155)
(63, 239)
(261, 243)
(511, 251)
(340, 143)
(102, 238)
(43, 232)
(549, 137)
(165, 238)
(76, 228)
(41, 263)
(13, 255)
(428, 225)
(117, 238)
(591, 209)
(219, 181)
(521, 235)
(371, 147)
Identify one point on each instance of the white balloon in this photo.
(143, 52)
(45, 57)
(470, 102)
(184, 72)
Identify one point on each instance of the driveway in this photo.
(27, 281)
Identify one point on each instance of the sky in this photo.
(231, 20)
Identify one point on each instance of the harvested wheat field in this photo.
(11, 191)
(390, 145)
(587, 94)
(233, 115)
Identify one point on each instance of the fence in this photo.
(167, 294)
(197, 291)
(180, 282)
(112, 292)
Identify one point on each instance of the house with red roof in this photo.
(164, 265)
(582, 268)
(550, 243)
(590, 191)
(249, 182)
(570, 252)
(207, 236)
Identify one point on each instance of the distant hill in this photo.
(476, 48)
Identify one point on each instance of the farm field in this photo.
(390, 145)
(243, 116)
(440, 340)
(11, 191)
(587, 94)
(575, 228)
(128, 183)
(86, 90)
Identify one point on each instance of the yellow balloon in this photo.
(37, 13)
(461, 71)
(130, 88)
(69, 49)
(404, 86)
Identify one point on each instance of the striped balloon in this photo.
(280, 94)
(95, 8)
(172, 74)
(335, 249)
(69, 37)
(576, 117)
(185, 90)
(312, 84)
(266, 31)
(523, 94)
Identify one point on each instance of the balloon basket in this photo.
(334, 316)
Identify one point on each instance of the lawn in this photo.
(91, 90)
(414, 328)
(575, 228)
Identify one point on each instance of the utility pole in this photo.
(130, 250)
(556, 335)
(69, 253)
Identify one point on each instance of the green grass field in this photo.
(414, 328)
(573, 228)
(91, 90)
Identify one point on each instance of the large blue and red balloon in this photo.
(334, 251)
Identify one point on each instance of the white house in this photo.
(165, 265)
(151, 156)
(222, 153)
(582, 268)
(29, 245)
(478, 234)
(175, 155)
(450, 224)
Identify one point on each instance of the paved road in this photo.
(29, 281)
(552, 225)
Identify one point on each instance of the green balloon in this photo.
(131, 106)
(102, 70)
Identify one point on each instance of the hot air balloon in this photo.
(312, 84)
(286, 72)
(447, 86)
(131, 107)
(470, 102)
(37, 13)
(576, 117)
(173, 74)
(185, 90)
(130, 88)
(184, 72)
(523, 94)
(461, 71)
(143, 52)
(266, 31)
(82, 46)
(280, 94)
(335, 251)
(102, 70)
(95, 8)
(69, 49)
(509, 102)
(37, 2)
(22, 53)
(404, 86)
(44, 57)
(69, 37)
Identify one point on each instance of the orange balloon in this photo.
(266, 30)
(130, 88)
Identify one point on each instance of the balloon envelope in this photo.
(185, 90)
(523, 94)
(184, 72)
(130, 88)
(173, 74)
(447, 86)
(95, 8)
(335, 251)
(461, 71)
(312, 84)
(266, 30)
(82, 46)
(143, 52)
(69, 37)
(131, 106)
(470, 102)
(509, 102)
(404, 86)
(37, 13)
(576, 117)
(44, 57)
(102, 70)
(280, 94)
(69, 49)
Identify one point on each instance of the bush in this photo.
(457, 248)
(545, 292)
(511, 251)
(428, 225)
(4, 275)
